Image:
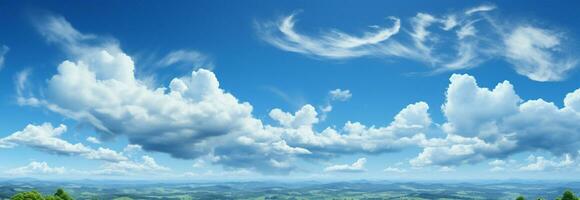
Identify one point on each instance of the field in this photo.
(296, 190)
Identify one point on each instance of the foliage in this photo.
(31, 195)
(34, 195)
(60, 193)
(568, 195)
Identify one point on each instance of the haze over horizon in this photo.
(289, 91)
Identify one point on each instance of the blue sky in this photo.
(289, 90)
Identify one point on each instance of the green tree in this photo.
(60, 193)
(568, 195)
(31, 195)
(521, 198)
(34, 195)
(52, 198)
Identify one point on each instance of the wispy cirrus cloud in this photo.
(332, 44)
(187, 58)
(3, 51)
(444, 42)
(481, 8)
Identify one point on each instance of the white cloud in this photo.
(483, 124)
(497, 165)
(21, 80)
(460, 41)
(539, 163)
(481, 8)
(93, 140)
(332, 44)
(306, 116)
(47, 138)
(104, 154)
(190, 58)
(394, 169)
(358, 166)
(340, 95)
(148, 165)
(194, 117)
(191, 117)
(114, 101)
(132, 148)
(3, 51)
(572, 100)
(405, 130)
(446, 169)
(296, 137)
(538, 53)
(324, 111)
(467, 106)
(334, 95)
(36, 168)
(198, 163)
(421, 35)
(243, 173)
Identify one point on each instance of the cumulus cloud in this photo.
(405, 130)
(487, 123)
(46, 138)
(572, 100)
(189, 118)
(238, 173)
(450, 41)
(446, 169)
(394, 169)
(132, 148)
(148, 165)
(334, 95)
(497, 165)
(539, 163)
(340, 95)
(36, 168)
(93, 140)
(3, 51)
(358, 166)
(114, 101)
(193, 117)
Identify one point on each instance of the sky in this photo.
(289, 90)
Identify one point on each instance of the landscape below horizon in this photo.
(354, 190)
